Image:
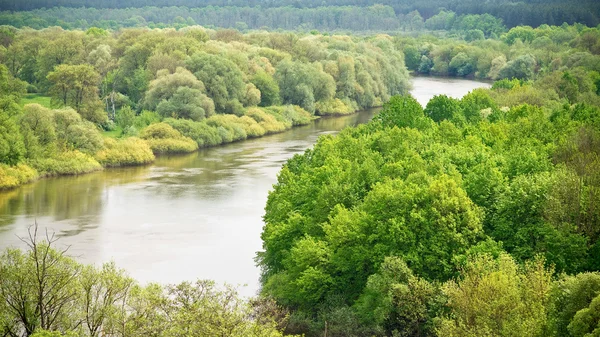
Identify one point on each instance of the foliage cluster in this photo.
(46, 293)
(462, 218)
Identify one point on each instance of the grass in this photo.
(36, 98)
(116, 133)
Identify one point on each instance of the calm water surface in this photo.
(184, 217)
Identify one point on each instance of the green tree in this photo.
(125, 118)
(442, 107)
(38, 287)
(77, 86)
(401, 111)
(222, 78)
(522, 68)
(269, 90)
(495, 297)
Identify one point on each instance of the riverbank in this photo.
(183, 217)
(177, 136)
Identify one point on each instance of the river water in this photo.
(183, 217)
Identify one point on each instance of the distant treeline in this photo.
(288, 14)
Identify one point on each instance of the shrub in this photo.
(162, 138)
(333, 106)
(13, 176)
(126, 152)
(172, 145)
(69, 162)
(229, 122)
(200, 132)
(267, 121)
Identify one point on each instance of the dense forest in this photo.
(259, 13)
(168, 91)
(344, 18)
(470, 217)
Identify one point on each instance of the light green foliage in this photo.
(474, 102)
(76, 86)
(587, 321)
(12, 148)
(65, 163)
(162, 139)
(474, 35)
(13, 176)
(425, 65)
(185, 103)
(333, 107)
(303, 84)
(412, 57)
(179, 94)
(398, 302)
(39, 130)
(461, 65)
(125, 152)
(496, 297)
(125, 118)
(45, 293)
(522, 227)
(522, 33)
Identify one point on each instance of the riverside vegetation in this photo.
(211, 87)
(167, 91)
(469, 217)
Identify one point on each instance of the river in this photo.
(183, 217)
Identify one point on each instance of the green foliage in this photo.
(461, 65)
(269, 90)
(179, 94)
(412, 57)
(398, 302)
(402, 111)
(442, 107)
(570, 295)
(496, 297)
(14, 176)
(12, 148)
(162, 139)
(125, 118)
(76, 86)
(65, 163)
(48, 294)
(126, 152)
(222, 78)
(522, 68)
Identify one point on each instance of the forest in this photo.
(477, 216)
(75, 101)
(470, 217)
(293, 14)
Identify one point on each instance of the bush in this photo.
(65, 163)
(126, 152)
(13, 176)
(162, 139)
(172, 145)
(333, 106)
(267, 121)
(297, 115)
(200, 132)
(231, 123)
